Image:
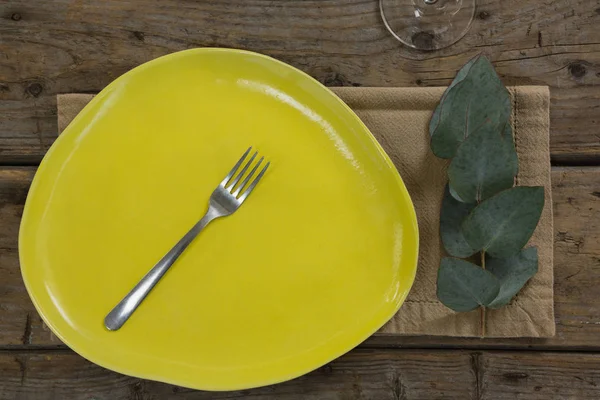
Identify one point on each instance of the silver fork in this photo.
(224, 201)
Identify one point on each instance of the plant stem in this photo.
(482, 308)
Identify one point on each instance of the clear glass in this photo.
(427, 24)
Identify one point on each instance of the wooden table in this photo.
(61, 46)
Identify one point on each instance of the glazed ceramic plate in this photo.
(319, 257)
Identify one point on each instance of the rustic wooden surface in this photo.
(62, 46)
(361, 374)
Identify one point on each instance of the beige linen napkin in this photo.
(399, 118)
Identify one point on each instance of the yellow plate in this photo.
(318, 258)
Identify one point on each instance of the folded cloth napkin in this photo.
(399, 118)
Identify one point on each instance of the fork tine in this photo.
(243, 171)
(253, 184)
(235, 168)
(239, 189)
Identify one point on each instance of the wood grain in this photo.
(361, 374)
(577, 272)
(80, 46)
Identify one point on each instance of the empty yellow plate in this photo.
(319, 257)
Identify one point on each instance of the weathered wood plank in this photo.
(577, 271)
(79, 46)
(534, 375)
(361, 374)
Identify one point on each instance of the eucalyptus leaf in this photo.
(512, 273)
(463, 286)
(460, 76)
(452, 214)
(502, 224)
(507, 132)
(485, 164)
(475, 98)
(455, 195)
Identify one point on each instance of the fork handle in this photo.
(122, 311)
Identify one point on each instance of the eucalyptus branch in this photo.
(481, 210)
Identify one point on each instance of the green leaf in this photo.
(507, 132)
(455, 195)
(475, 98)
(513, 273)
(485, 164)
(502, 224)
(452, 215)
(460, 76)
(463, 286)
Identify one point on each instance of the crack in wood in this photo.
(515, 376)
(22, 367)
(574, 274)
(27, 334)
(588, 381)
(477, 370)
(398, 388)
(137, 391)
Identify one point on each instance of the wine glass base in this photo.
(427, 24)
